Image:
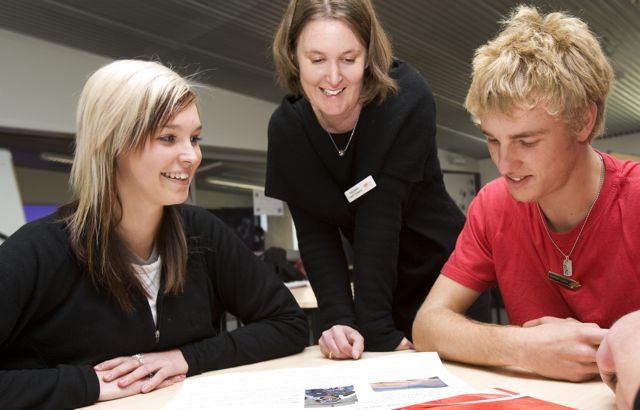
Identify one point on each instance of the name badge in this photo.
(360, 189)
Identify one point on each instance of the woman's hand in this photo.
(405, 344)
(128, 375)
(341, 342)
(111, 390)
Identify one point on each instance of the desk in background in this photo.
(593, 395)
(303, 293)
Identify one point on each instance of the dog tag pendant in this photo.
(567, 267)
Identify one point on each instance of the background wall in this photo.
(49, 187)
(628, 144)
(39, 88)
(41, 187)
(12, 215)
(41, 81)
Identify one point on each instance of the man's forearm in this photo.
(458, 338)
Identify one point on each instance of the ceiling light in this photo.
(209, 166)
(233, 184)
(59, 158)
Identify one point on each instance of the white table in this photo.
(592, 395)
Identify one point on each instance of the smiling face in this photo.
(161, 171)
(332, 62)
(533, 151)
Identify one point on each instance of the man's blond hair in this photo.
(552, 59)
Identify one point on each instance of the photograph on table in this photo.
(330, 396)
(425, 383)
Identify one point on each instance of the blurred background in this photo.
(50, 47)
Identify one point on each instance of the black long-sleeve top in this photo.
(402, 231)
(55, 326)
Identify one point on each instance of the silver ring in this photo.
(139, 358)
(330, 355)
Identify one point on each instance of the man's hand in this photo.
(619, 359)
(561, 348)
(341, 342)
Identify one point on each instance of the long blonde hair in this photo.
(122, 105)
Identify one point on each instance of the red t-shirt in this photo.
(504, 243)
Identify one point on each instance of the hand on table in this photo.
(607, 364)
(128, 375)
(405, 344)
(341, 342)
(618, 359)
(561, 348)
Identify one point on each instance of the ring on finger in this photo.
(139, 358)
(330, 354)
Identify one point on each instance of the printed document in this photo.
(386, 382)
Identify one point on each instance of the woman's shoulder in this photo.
(288, 119)
(408, 77)
(196, 218)
(291, 106)
(41, 244)
(291, 120)
(413, 89)
(50, 230)
(202, 223)
(204, 230)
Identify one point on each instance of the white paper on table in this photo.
(285, 388)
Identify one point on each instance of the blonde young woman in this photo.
(123, 291)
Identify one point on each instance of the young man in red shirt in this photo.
(558, 233)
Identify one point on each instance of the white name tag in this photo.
(360, 189)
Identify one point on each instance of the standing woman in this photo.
(357, 117)
(123, 291)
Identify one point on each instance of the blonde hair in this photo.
(122, 105)
(552, 59)
(360, 17)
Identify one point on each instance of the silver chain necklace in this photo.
(342, 151)
(567, 264)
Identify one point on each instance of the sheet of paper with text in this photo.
(378, 383)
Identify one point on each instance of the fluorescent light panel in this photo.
(233, 184)
(59, 158)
